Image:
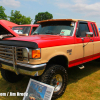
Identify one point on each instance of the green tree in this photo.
(26, 20)
(2, 13)
(18, 18)
(43, 16)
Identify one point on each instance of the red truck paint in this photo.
(8, 23)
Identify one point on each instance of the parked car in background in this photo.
(25, 30)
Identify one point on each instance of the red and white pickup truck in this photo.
(55, 46)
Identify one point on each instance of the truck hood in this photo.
(46, 40)
(8, 23)
(36, 38)
(4, 30)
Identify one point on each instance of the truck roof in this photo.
(52, 20)
(35, 25)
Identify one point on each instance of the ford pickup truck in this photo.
(26, 29)
(55, 46)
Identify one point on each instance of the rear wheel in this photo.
(56, 75)
(10, 76)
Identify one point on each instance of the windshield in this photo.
(64, 28)
(22, 29)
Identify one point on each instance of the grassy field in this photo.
(83, 84)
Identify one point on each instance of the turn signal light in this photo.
(36, 53)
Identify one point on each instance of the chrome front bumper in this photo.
(22, 68)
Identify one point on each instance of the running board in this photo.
(81, 67)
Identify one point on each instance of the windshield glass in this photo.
(64, 28)
(22, 29)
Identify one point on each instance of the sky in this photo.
(60, 9)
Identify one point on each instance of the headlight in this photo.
(25, 53)
(31, 53)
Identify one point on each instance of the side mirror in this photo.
(89, 34)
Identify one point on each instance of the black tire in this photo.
(48, 78)
(10, 76)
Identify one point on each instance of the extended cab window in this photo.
(64, 28)
(82, 29)
(93, 30)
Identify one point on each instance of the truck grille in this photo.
(20, 54)
(11, 53)
(6, 52)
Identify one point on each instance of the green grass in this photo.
(83, 84)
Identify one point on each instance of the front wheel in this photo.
(10, 76)
(56, 75)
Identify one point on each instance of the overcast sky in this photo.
(76, 9)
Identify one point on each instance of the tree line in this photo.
(19, 19)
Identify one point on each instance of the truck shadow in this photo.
(75, 74)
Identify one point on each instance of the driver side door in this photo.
(84, 47)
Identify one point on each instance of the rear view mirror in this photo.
(89, 34)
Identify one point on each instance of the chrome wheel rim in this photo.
(56, 81)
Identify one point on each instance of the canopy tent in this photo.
(8, 23)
